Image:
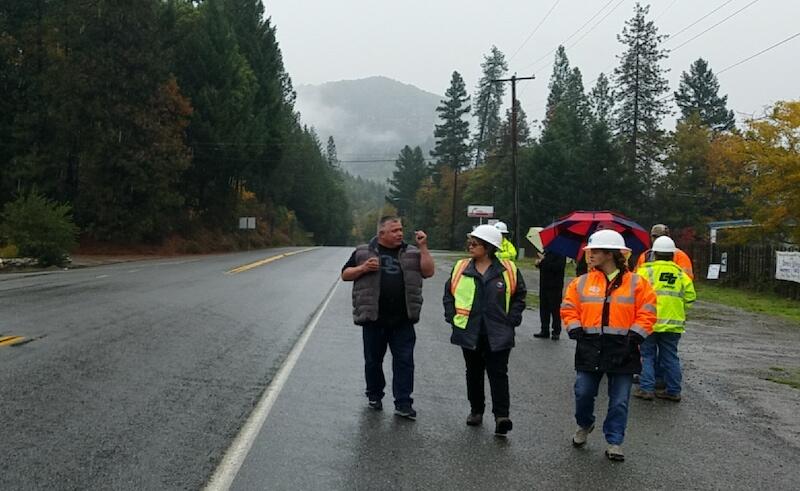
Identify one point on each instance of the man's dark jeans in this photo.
(494, 364)
(400, 337)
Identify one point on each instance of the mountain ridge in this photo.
(370, 119)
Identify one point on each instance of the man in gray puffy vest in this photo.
(387, 299)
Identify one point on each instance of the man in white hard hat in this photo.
(679, 257)
(507, 249)
(675, 292)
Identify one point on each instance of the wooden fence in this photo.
(751, 267)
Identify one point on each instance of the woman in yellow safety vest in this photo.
(483, 302)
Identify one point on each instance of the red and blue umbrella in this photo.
(568, 235)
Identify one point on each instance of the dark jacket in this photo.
(367, 288)
(489, 308)
(551, 272)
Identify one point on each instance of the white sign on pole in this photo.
(723, 263)
(787, 266)
(713, 272)
(247, 223)
(480, 211)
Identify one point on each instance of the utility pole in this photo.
(514, 182)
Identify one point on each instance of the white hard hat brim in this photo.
(607, 247)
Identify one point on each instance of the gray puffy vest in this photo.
(367, 288)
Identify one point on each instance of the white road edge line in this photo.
(223, 477)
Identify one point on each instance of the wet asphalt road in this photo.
(320, 435)
(144, 372)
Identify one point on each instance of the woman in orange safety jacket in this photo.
(609, 311)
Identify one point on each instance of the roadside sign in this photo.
(723, 263)
(480, 211)
(247, 223)
(713, 272)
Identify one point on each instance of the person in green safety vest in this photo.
(483, 301)
(675, 291)
(507, 249)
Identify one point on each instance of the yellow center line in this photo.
(249, 266)
(11, 340)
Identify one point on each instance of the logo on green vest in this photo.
(668, 278)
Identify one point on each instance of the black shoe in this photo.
(555, 336)
(542, 335)
(475, 419)
(377, 405)
(502, 426)
(406, 412)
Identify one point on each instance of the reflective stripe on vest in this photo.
(463, 289)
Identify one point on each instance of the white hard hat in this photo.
(664, 244)
(488, 233)
(502, 227)
(606, 239)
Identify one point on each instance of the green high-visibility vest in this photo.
(463, 289)
(507, 251)
(675, 291)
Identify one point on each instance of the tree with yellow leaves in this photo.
(763, 163)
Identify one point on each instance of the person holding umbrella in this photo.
(483, 302)
(609, 312)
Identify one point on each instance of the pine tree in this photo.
(452, 148)
(330, 154)
(699, 92)
(488, 100)
(640, 84)
(559, 80)
(601, 100)
(406, 180)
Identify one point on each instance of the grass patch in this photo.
(759, 302)
(532, 301)
(785, 376)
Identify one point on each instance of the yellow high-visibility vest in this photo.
(507, 251)
(463, 289)
(675, 292)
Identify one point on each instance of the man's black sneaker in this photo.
(377, 405)
(542, 334)
(502, 426)
(406, 412)
(555, 336)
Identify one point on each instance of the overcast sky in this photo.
(422, 42)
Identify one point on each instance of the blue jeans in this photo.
(400, 338)
(660, 350)
(619, 393)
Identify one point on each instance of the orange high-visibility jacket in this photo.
(632, 305)
(680, 258)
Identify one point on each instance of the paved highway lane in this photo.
(140, 374)
(321, 435)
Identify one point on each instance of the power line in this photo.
(759, 53)
(710, 28)
(569, 37)
(665, 10)
(597, 24)
(535, 29)
(673, 36)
